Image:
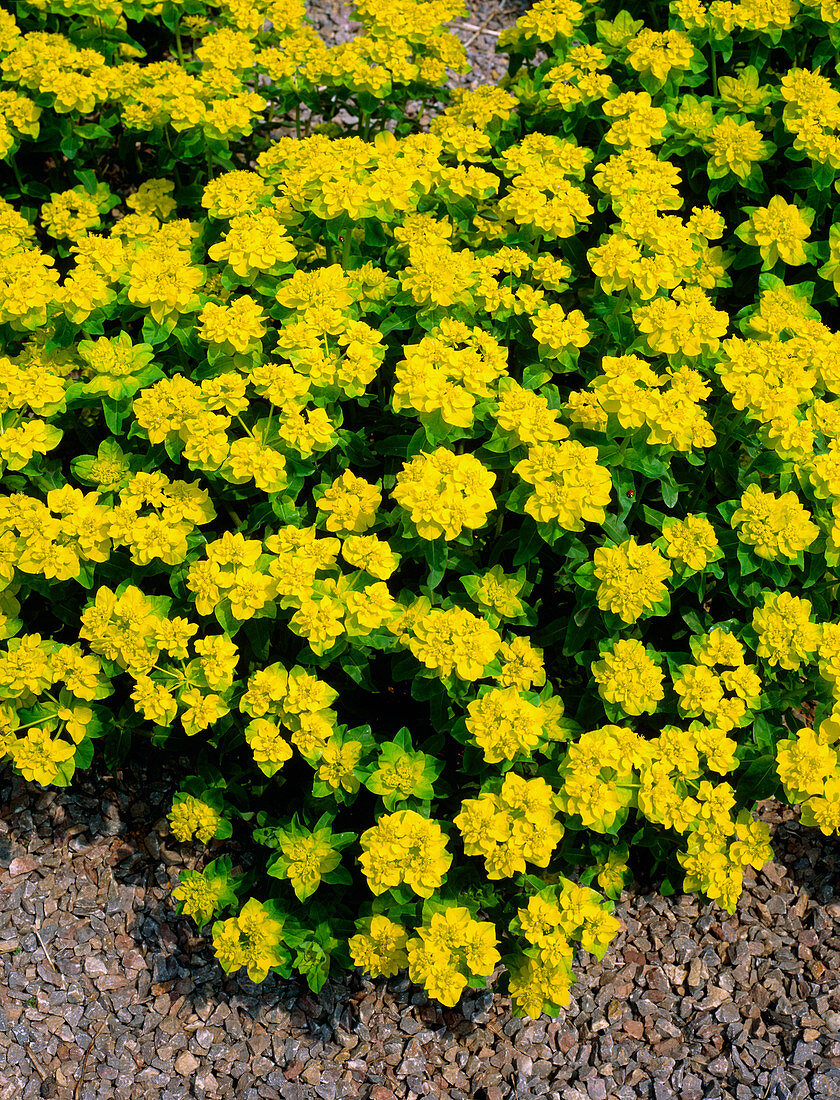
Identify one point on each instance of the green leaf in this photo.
(115, 412)
(530, 542)
(226, 619)
(84, 753)
(746, 561)
(436, 554)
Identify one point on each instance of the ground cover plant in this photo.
(463, 502)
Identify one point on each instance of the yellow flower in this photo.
(786, 635)
(659, 52)
(190, 818)
(804, 764)
(379, 947)
(253, 939)
(338, 763)
(751, 848)
(735, 147)
(270, 748)
(350, 503)
(454, 641)
(628, 677)
(499, 592)
(450, 950)
(371, 554)
(202, 710)
(776, 527)
(239, 323)
(570, 488)
(631, 578)
(690, 543)
(779, 230)
(824, 811)
(38, 757)
(404, 847)
(444, 493)
(504, 724)
(320, 622)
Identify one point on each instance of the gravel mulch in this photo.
(101, 979)
(478, 30)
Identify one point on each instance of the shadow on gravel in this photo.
(812, 860)
(118, 823)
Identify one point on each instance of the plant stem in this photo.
(503, 485)
(714, 66)
(16, 170)
(233, 515)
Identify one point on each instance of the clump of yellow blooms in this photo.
(549, 923)
(252, 939)
(774, 526)
(718, 849)
(379, 949)
(444, 493)
(350, 504)
(569, 485)
(780, 230)
(192, 819)
(690, 543)
(504, 724)
(453, 641)
(598, 775)
(404, 847)
(808, 766)
(629, 677)
(787, 636)
(631, 578)
(202, 894)
(515, 826)
(38, 756)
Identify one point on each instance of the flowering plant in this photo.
(463, 499)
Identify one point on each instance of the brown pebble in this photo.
(23, 865)
(186, 1064)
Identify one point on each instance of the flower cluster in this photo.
(450, 951)
(628, 676)
(631, 579)
(252, 939)
(515, 826)
(193, 819)
(808, 765)
(404, 847)
(551, 920)
(444, 492)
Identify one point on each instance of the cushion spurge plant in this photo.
(462, 500)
